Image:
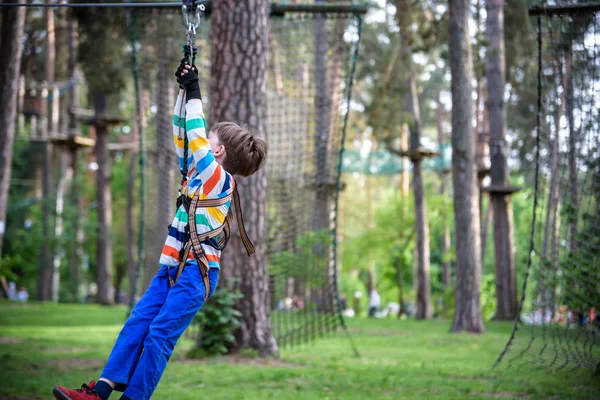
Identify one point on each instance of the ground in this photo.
(42, 345)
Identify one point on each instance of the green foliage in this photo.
(217, 320)
(388, 239)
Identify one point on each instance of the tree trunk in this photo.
(404, 175)
(446, 267)
(548, 290)
(63, 183)
(75, 243)
(322, 202)
(572, 159)
(11, 42)
(504, 248)
(421, 223)
(103, 243)
(467, 316)
(240, 45)
(485, 227)
(131, 245)
(120, 272)
(76, 198)
(422, 228)
(45, 282)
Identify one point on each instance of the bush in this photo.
(217, 320)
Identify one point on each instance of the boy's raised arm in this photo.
(179, 126)
(208, 170)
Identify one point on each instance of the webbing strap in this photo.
(195, 242)
(240, 220)
(197, 247)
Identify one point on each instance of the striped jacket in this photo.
(205, 175)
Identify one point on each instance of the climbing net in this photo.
(560, 325)
(311, 60)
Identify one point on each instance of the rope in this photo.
(141, 160)
(338, 182)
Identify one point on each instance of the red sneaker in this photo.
(86, 392)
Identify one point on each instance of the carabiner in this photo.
(196, 11)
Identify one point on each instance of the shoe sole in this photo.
(59, 395)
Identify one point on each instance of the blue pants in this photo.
(146, 342)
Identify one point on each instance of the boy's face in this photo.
(217, 149)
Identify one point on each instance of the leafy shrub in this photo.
(217, 320)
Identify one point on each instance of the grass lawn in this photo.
(42, 345)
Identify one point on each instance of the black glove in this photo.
(189, 82)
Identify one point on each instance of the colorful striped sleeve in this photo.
(209, 171)
(179, 126)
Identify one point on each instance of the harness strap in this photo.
(195, 242)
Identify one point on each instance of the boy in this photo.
(146, 342)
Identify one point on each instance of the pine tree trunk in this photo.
(572, 159)
(548, 285)
(404, 175)
(446, 267)
(504, 248)
(322, 203)
(11, 42)
(76, 199)
(467, 316)
(103, 243)
(46, 254)
(66, 172)
(421, 223)
(131, 242)
(238, 94)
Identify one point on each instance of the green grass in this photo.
(42, 345)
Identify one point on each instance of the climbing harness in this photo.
(195, 240)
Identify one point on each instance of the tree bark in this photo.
(504, 248)
(131, 243)
(238, 93)
(421, 224)
(446, 265)
(103, 243)
(572, 159)
(404, 175)
(11, 29)
(76, 239)
(66, 175)
(467, 316)
(45, 282)
(323, 105)
(548, 290)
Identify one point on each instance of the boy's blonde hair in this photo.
(245, 153)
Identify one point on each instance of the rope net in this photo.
(310, 60)
(559, 326)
